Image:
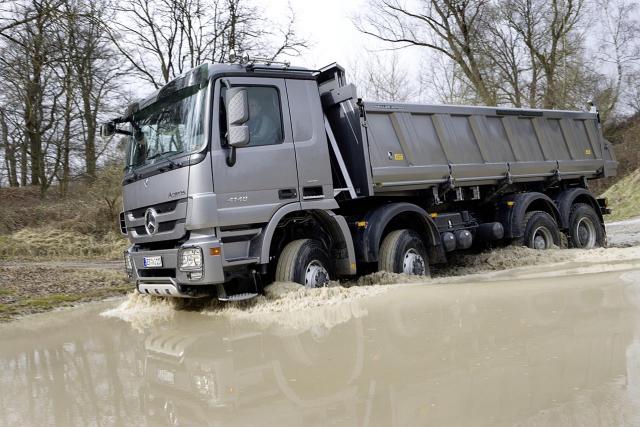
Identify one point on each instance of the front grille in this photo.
(162, 227)
(160, 245)
(170, 216)
(160, 208)
(123, 224)
(157, 272)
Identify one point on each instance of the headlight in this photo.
(190, 259)
(128, 264)
(204, 384)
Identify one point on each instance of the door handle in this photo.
(287, 193)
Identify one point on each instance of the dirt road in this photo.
(624, 233)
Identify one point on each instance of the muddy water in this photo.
(542, 348)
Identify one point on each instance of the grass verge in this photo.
(624, 197)
(52, 243)
(28, 288)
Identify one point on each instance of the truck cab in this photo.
(198, 208)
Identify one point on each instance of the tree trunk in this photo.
(66, 133)
(24, 162)
(9, 152)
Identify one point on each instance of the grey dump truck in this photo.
(241, 174)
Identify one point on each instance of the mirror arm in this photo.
(231, 156)
(231, 152)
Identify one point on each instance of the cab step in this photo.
(238, 297)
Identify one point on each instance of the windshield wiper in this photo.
(163, 156)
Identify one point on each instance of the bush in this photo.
(83, 223)
(88, 208)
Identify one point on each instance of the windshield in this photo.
(169, 127)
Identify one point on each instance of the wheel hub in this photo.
(539, 243)
(542, 238)
(316, 275)
(413, 263)
(586, 233)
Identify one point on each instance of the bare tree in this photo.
(95, 67)
(27, 64)
(633, 92)
(548, 29)
(163, 38)
(58, 70)
(9, 147)
(449, 27)
(446, 82)
(619, 44)
(12, 21)
(381, 77)
(509, 52)
(507, 58)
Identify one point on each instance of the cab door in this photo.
(264, 176)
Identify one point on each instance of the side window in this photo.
(265, 116)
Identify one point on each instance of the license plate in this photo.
(165, 376)
(153, 261)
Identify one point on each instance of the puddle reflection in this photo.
(562, 352)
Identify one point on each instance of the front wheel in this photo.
(304, 261)
(402, 251)
(540, 231)
(585, 229)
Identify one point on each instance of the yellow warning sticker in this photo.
(587, 151)
(399, 156)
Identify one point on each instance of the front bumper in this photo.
(168, 280)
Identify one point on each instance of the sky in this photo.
(327, 25)
(329, 28)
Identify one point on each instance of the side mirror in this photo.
(107, 129)
(237, 106)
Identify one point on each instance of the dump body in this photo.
(423, 145)
(399, 146)
(409, 146)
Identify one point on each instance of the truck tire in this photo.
(304, 261)
(540, 231)
(402, 251)
(585, 229)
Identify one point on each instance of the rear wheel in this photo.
(540, 231)
(585, 229)
(402, 251)
(306, 262)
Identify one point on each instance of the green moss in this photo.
(41, 303)
(48, 301)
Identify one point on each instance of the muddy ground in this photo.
(518, 338)
(27, 288)
(32, 287)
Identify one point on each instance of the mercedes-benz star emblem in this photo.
(151, 221)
